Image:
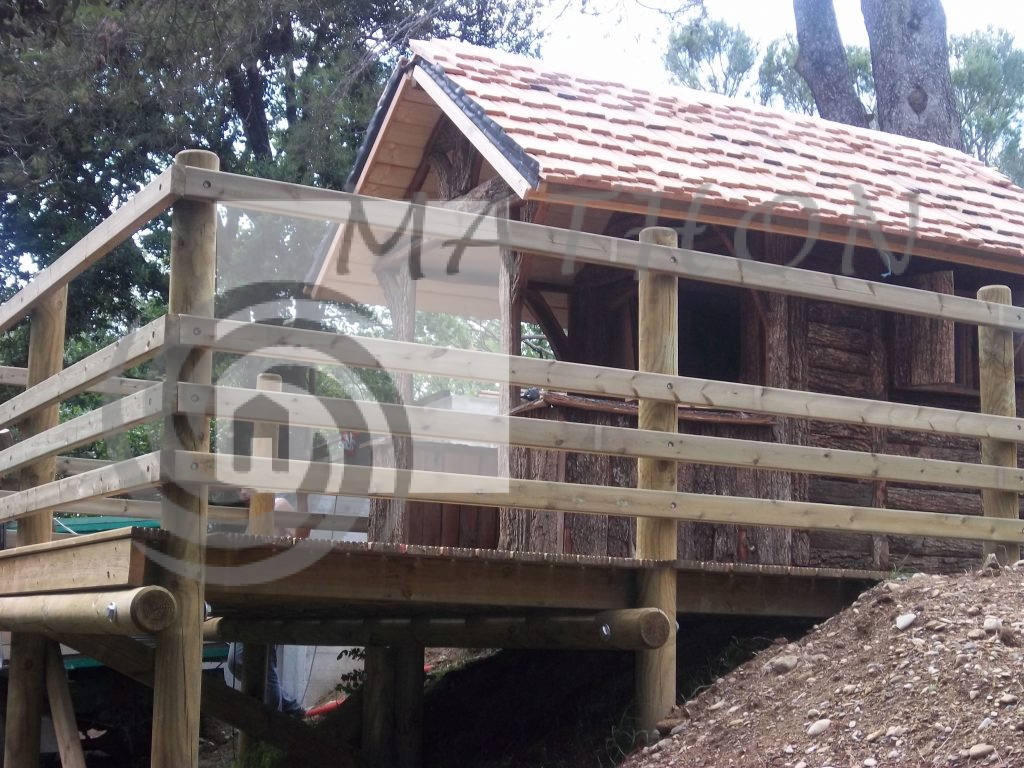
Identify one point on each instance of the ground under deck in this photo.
(254, 577)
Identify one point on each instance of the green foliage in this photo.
(711, 55)
(988, 81)
(778, 81)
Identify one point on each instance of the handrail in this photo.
(476, 490)
(458, 227)
(155, 198)
(298, 344)
(136, 347)
(436, 423)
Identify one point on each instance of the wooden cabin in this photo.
(460, 124)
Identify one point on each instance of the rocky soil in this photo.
(922, 671)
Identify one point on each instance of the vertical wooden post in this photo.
(655, 538)
(379, 706)
(409, 706)
(256, 656)
(998, 397)
(178, 664)
(26, 683)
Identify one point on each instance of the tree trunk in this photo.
(822, 63)
(910, 60)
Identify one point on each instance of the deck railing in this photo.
(186, 400)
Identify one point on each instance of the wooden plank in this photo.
(62, 711)
(656, 538)
(408, 734)
(456, 226)
(138, 210)
(13, 376)
(96, 369)
(293, 344)
(998, 396)
(123, 477)
(177, 674)
(106, 420)
(109, 562)
(416, 485)
(26, 686)
(434, 423)
(264, 444)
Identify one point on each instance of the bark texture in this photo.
(822, 63)
(910, 61)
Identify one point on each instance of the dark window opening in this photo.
(710, 332)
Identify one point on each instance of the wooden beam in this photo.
(656, 537)
(92, 373)
(122, 477)
(301, 743)
(264, 444)
(110, 419)
(474, 490)
(26, 683)
(62, 711)
(178, 666)
(295, 200)
(138, 210)
(382, 354)
(998, 396)
(435, 423)
(378, 736)
(624, 629)
(13, 376)
(140, 611)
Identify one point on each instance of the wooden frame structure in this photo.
(406, 597)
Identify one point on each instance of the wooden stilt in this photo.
(178, 666)
(26, 680)
(379, 706)
(656, 539)
(409, 706)
(998, 397)
(256, 656)
(65, 726)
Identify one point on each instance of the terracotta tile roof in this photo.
(679, 143)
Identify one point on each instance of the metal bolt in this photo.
(195, 465)
(196, 331)
(207, 185)
(605, 631)
(195, 398)
(111, 611)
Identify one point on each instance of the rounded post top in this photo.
(198, 158)
(999, 294)
(659, 236)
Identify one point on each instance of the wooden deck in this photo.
(277, 578)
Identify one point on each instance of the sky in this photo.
(626, 39)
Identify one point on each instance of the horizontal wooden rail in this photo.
(138, 210)
(295, 344)
(460, 227)
(626, 629)
(123, 477)
(137, 347)
(15, 376)
(435, 423)
(145, 610)
(474, 490)
(109, 419)
(144, 509)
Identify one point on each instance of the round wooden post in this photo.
(656, 538)
(256, 656)
(26, 684)
(178, 663)
(998, 397)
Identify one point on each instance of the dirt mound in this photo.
(919, 671)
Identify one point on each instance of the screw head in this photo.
(111, 611)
